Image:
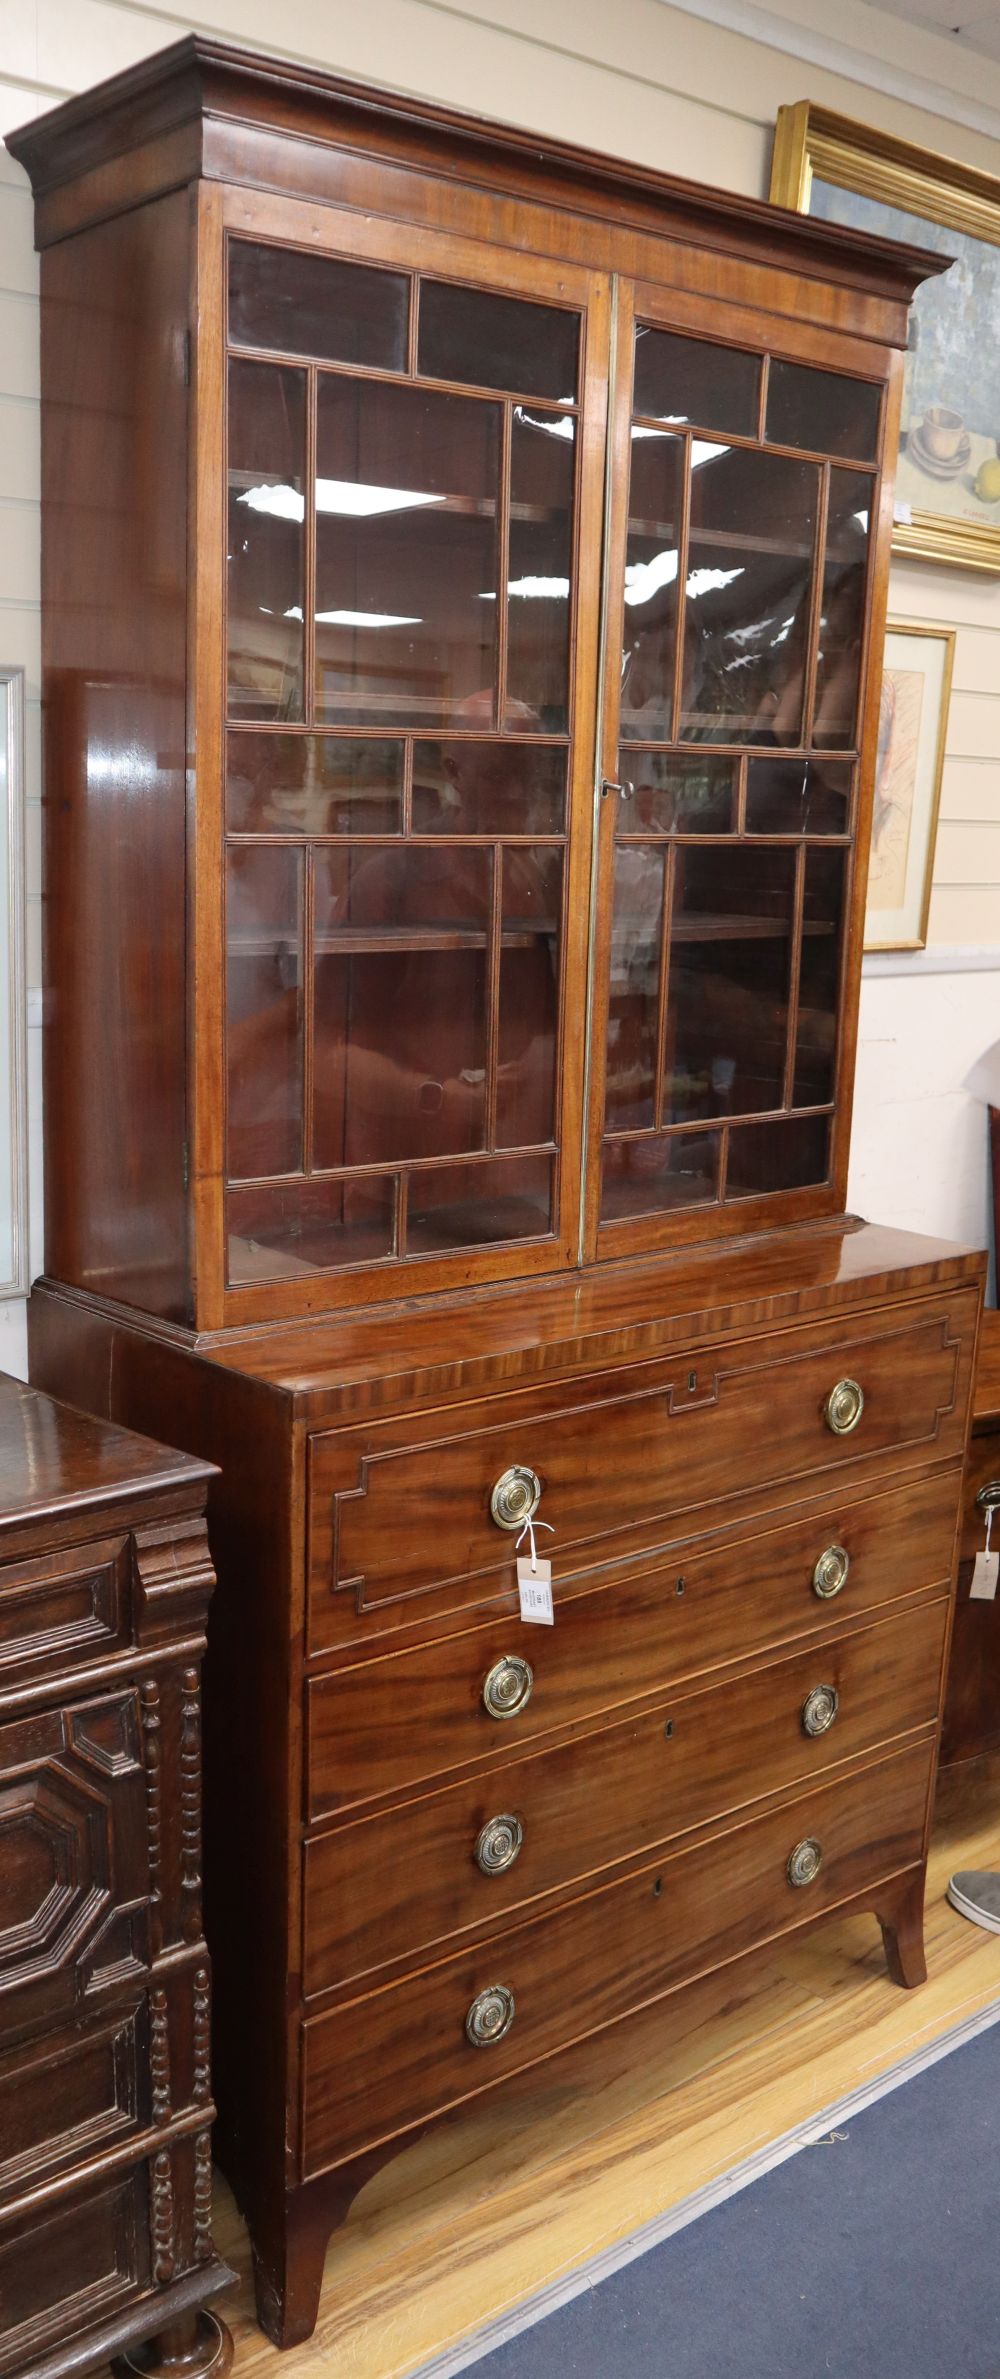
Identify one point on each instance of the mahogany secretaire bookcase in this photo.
(464, 574)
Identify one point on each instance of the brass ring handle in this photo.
(491, 2015)
(830, 1573)
(804, 1862)
(515, 1497)
(988, 1497)
(508, 1686)
(820, 1709)
(844, 1407)
(498, 1844)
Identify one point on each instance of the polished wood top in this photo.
(217, 87)
(52, 1458)
(500, 1337)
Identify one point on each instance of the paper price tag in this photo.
(984, 1577)
(534, 1587)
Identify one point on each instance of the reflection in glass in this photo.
(750, 565)
(791, 1153)
(649, 626)
(476, 1205)
(727, 1007)
(280, 1231)
(406, 555)
(679, 379)
(497, 342)
(845, 578)
(264, 1010)
(317, 305)
(400, 1003)
(659, 1174)
(531, 904)
(538, 572)
(633, 987)
(313, 784)
(266, 509)
(819, 977)
(492, 787)
(799, 796)
(676, 795)
(823, 411)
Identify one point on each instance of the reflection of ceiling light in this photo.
(704, 582)
(643, 580)
(346, 496)
(862, 519)
(639, 430)
(359, 619)
(538, 421)
(554, 589)
(702, 452)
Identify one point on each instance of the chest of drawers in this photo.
(105, 2090)
(445, 1843)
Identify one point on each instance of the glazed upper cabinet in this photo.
(483, 672)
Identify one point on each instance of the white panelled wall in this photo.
(681, 89)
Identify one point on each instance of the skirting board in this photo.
(546, 2300)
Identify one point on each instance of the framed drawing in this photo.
(13, 1001)
(913, 718)
(948, 484)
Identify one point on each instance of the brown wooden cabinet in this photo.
(465, 572)
(105, 2088)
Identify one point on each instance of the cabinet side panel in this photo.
(114, 466)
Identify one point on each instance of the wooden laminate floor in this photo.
(499, 2202)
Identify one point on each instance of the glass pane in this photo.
(649, 626)
(750, 566)
(488, 788)
(819, 977)
(469, 1205)
(674, 796)
(633, 989)
(315, 305)
(652, 1176)
(266, 509)
(497, 342)
(789, 1154)
(313, 784)
(399, 1004)
(845, 578)
(822, 410)
(531, 904)
(277, 1233)
(729, 967)
(538, 578)
(264, 1011)
(678, 379)
(406, 556)
(799, 796)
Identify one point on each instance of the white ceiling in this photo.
(969, 24)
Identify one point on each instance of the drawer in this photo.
(383, 1888)
(73, 1856)
(971, 1724)
(63, 1608)
(385, 1723)
(380, 2064)
(67, 2096)
(65, 2273)
(400, 1518)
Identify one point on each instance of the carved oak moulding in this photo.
(473, 632)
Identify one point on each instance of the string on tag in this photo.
(529, 1531)
(989, 1524)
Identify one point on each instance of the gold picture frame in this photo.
(913, 723)
(826, 164)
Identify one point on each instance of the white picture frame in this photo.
(913, 719)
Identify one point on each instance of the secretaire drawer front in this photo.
(57, 1608)
(385, 1723)
(401, 1528)
(382, 1888)
(393, 2059)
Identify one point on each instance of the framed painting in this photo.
(948, 482)
(913, 719)
(13, 997)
